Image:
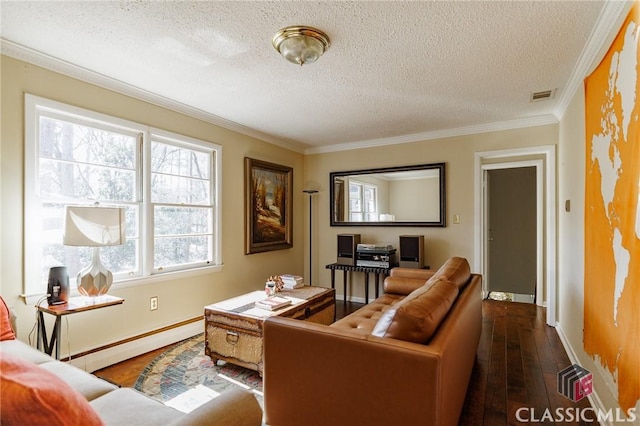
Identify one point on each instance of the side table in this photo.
(74, 305)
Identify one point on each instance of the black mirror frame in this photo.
(441, 170)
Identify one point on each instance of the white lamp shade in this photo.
(93, 226)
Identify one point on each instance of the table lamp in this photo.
(94, 227)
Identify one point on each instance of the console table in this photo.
(365, 269)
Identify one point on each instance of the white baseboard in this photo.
(113, 355)
(593, 397)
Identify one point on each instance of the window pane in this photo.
(120, 259)
(182, 220)
(85, 181)
(369, 193)
(179, 175)
(72, 142)
(179, 190)
(173, 160)
(77, 161)
(175, 243)
(172, 251)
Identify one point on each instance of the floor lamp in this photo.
(310, 192)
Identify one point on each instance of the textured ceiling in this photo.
(394, 69)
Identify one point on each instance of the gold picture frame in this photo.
(268, 206)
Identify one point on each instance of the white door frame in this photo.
(546, 195)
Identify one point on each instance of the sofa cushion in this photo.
(126, 406)
(6, 332)
(456, 270)
(365, 319)
(417, 317)
(86, 384)
(34, 396)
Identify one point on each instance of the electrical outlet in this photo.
(153, 303)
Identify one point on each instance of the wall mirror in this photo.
(391, 196)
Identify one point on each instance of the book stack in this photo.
(273, 303)
(291, 281)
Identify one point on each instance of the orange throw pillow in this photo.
(32, 395)
(6, 332)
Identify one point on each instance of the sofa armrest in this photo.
(316, 374)
(405, 280)
(235, 407)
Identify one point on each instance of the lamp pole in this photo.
(310, 192)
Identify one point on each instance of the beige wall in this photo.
(440, 243)
(415, 200)
(179, 300)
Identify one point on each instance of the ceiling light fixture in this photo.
(301, 45)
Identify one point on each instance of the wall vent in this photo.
(543, 95)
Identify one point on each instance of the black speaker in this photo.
(412, 251)
(347, 245)
(58, 285)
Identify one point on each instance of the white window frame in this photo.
(363, 202)
(35, 107)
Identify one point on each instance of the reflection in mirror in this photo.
(392, 196)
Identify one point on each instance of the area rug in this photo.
(184, 373)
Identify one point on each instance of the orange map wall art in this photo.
(612, 213)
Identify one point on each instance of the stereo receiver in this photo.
(375, 256)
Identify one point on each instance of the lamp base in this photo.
(95, 280)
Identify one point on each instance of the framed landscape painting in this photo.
(268, 201)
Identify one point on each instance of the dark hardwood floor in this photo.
(517, 362)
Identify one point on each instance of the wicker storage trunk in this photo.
(233, 328)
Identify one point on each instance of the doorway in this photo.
(543, 159)
(511, 233)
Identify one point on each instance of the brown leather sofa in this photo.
(404, 359)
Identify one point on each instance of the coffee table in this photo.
(233, 327)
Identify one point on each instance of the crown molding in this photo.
(32, 56)
(542, 120)
(611, 17)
